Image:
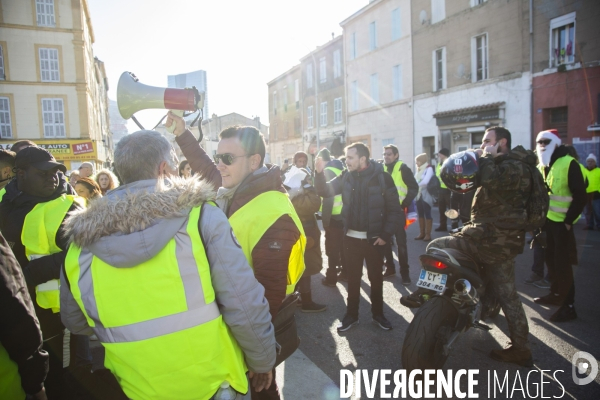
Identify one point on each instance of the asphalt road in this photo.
(314, 371)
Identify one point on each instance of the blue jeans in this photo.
(423, 209)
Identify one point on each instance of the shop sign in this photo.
(475, 116)
(64, 150)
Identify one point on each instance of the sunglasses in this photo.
(545, 142)
(227, 158)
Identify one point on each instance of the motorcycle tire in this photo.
(427, 334)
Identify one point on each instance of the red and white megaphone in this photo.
(133, 96)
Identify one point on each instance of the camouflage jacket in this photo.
(499, 205)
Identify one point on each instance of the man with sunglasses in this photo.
(263, 219)
(567, 199)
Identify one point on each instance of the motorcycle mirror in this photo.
(452, 214)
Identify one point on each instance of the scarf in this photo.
(224, 195)
(421, 172)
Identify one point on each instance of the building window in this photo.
(397, 82)
(396, 24)
(562, 39)
(309, 117)
(438, 10)
(385, 142)
(45, 12)
(439, 69)
(375, 89)
(354, 95)
(2, 75)
(275, 102)
(5, 124)
(557, 118)
(297, 93)
(53, 115)
(285, 99)
(49, 65)
(337, 64)
(322, 70)
(337, 110)
(477, 2)
(324, 113)
(479, 58)
(353, 46)
(309, 76)
(372, 35)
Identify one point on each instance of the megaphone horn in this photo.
(133, 96)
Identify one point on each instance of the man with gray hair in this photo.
(86, 169)
(171, 297)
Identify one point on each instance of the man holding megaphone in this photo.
(262, 217)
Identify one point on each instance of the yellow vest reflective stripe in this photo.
(399, 182)
(40, 228)
(337, 199)
(165, 338)
(10, 380)
(2, 191)
(593, 180)
(250, 222)
(438, 169)
(560, 194)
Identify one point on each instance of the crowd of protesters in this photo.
(184, 270)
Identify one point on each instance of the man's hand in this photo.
(319, 165)
(379, 242)
(261, 381)
(178, 121)
(568, 227)
(493, 150)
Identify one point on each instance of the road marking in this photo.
(304, 380)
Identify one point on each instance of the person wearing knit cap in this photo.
(567, 192)
(593, 193)
(424, 198)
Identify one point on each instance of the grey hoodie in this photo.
(133, 222)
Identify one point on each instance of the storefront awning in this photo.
(483, 112)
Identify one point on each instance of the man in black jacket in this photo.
(408, 188)
(39, 182)
(20, 334)
(371, 213)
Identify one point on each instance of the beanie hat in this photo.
(422, 158)
(444, 151)
(591, 157)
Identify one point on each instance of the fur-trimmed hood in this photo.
(133, 222)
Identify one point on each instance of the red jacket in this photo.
(271, 254)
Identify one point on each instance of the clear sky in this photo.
(242, 44)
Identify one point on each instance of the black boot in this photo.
(309, 306)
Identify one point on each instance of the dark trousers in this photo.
(538, 259)
(443, 205)
(358, 251)
(270, 393)
(334, 238)
(402, 250)
(560, 242)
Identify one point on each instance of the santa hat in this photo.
(591, 157)
(551, 134)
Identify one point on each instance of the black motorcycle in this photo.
(458, 298)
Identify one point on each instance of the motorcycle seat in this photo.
(463, 259)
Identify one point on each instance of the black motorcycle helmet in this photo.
(460, 172)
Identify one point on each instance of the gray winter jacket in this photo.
(132, 223)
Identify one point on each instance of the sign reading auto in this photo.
(68, 150)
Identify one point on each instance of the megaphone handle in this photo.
(171, 128)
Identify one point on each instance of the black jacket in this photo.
(370, 198)
(14, 207)
(409, 180)
(20, 331)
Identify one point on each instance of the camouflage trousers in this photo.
(500, 267)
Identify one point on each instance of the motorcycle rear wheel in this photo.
(427, 334)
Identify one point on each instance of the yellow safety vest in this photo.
(2, 192)
(560, 194)
(438, 169)
(250, 222)
(399, 182)
(40, 228)
(337, 199)
(593, 180)
(158, 321)
(10, 380)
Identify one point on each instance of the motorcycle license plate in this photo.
(432, 280)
